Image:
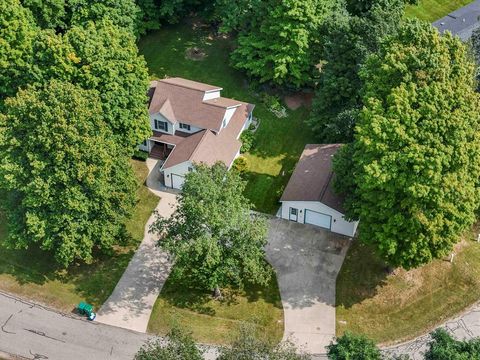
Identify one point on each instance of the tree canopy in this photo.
(412, 172)
(100, 56)
(248, 345)
(214, 239)
(49, 14)
(177, 345)
(350, 346)
(348, 38)
(69, 185)
(17, 32)
(444, 347)
(281, 43)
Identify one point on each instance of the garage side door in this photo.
(177, 181)
(319, 219)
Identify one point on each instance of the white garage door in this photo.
(319, 219)
(177, 181)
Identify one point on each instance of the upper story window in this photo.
(144, 143)
(184, 126)
(224, 122)
(161, 125)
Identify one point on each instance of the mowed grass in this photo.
(432, 10)
(33, 273)
(278, 143)
(215, 321)
(401, 306)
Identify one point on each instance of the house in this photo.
(309, 197)
(192, 123)
(461, 22)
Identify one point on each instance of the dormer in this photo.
(211, 94)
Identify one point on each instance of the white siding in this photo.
(211, 95)
(146, 148)
(158, 116)
(228, 115)
(193, 129)
(339, 224)
(179, 169)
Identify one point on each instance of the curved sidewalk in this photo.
(463, 327)
(131, 302)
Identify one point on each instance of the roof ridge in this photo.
(198, 145)
(209, 102)
(189, 87)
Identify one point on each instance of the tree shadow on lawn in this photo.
(362, 273)
(92, 282)
(201, 301)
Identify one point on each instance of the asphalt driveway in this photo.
(307, 260)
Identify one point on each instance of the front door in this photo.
(293, 214)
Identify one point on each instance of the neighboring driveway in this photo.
(307, 260)
(131, 302)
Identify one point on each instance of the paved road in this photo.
(36, 332)
(307, 260)
(131, 302)
(465, 326)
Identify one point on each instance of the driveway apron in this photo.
(307, 260)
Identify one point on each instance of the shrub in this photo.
(240, 164)
(247, 139)
(140, 155)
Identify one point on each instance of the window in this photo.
(293, 211)
(224, 122)
(144, 143)
(161, 125)
(185, 126)
(190, 169)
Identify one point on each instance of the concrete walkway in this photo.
(465, 326)
(131, 302)
(307, 260)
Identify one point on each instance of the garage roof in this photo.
(312, 177)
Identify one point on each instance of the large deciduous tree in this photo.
(281, 43)
(69, 185)
(348, 38)
(444, 347)
(17, 31)
(102, 57)
(248, 345)
(350, 346)
(213, 238)
(49, 14)
(414, 168)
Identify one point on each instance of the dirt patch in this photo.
(195, 54)
(297, 100)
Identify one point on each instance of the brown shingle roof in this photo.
(312, 177)
(187, 105)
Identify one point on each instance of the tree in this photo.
(350, 346)
(17, 32)
(69, 185)
(416, 153)
(281, 44)
(349, 37)
(149, 16)
(213, 238)
(247, 346)
(178, 345)
(49, 14)
(444, 347)
(104, 58)
(123, 13)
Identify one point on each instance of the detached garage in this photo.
(309, 197)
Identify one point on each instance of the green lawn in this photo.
(431, 10)
(405, 304)
(279, 142)
(33, 274)
(214, 322)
